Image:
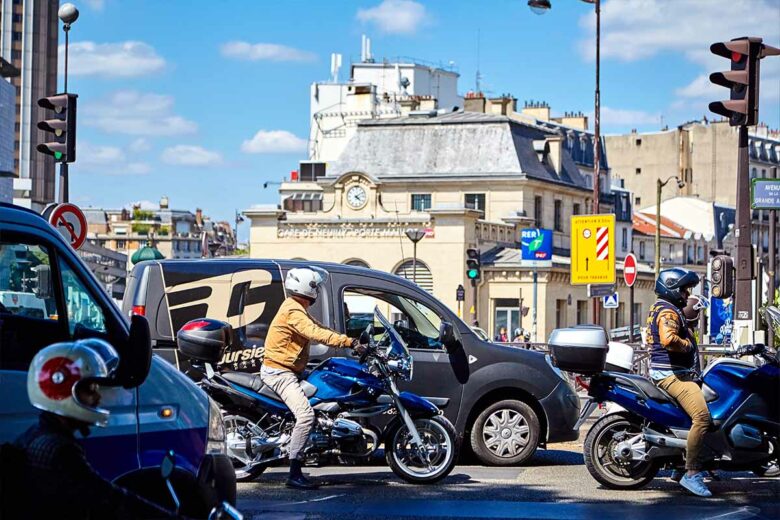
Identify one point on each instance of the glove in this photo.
(358, 347)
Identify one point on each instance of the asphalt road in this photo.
(555, 485)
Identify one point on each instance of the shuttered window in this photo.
(423, 277)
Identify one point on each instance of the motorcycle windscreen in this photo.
(397, 346)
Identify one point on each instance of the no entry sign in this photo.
(70, 221)
(629, 269)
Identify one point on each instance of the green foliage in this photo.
(141, 229)
(142, 214)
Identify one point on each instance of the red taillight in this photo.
(199, 324)
(584, 384)
(139, 310)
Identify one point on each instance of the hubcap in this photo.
(506, 433)
(427, 460)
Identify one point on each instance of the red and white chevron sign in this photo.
(602, 243)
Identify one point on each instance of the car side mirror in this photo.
(135, 363)
(447, 333)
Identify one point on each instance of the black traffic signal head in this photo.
(722, 276)
(473, 264)
(63, 126)
(743, 79)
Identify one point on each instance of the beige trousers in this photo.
(688, 393)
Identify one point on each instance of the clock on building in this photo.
(356, 197)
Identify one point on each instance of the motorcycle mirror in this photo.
(364, 337)
(167, 465)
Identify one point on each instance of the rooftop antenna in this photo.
(363, 48)
(335, 66)
(479, 76)
(369, 58)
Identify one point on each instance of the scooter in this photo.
(420, 443)
(626, 449)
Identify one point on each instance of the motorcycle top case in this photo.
(204, 339)
(582, 349)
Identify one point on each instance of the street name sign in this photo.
(71, 223)
(593, 249)
(629, 269)
(599, 291)
(611, 301)
(536, 247)
(460, 293)
(765, 194)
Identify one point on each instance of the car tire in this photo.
(505, 433)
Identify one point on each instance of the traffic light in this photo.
(473, 264)
(63, 126)
(722, 276)
(742, 80)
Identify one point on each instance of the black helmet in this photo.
(671, 281)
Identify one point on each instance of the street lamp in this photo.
(239, 220)
(68, 14)
(659, 186)
(541, 7)
(415, 235)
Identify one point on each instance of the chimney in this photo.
(554, 146)
(474, 102)
(164, 202)
(409, 104)
(537, 109)
(199, 217)
(428, 103)
(576, 120)
(503, 105)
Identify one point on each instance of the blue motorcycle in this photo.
(420, 443)
(626, 449)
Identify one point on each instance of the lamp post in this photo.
(415, 235)
(68, 14)
(659, 186)
(239, 219)
(541, 7)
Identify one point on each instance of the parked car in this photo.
(505, 401)
(48, 296)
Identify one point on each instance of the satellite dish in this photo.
(405, 82)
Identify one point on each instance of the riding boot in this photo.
(297, 480)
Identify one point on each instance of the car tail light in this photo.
(582, 382)
(138, 310)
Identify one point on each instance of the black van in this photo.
(505, 400)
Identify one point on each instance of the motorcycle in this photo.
(627, 448)
(420, 443)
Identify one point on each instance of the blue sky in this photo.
(204, 101)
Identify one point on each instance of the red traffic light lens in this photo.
(735, 56)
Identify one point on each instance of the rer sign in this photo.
(765, 194)
(536, 247)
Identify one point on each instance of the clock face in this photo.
(356, 197)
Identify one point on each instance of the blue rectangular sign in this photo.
(536, 247)
(765, 194)
(720, 320)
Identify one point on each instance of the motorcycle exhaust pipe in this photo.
(664, 441)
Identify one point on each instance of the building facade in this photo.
(7, 133)
(28, 40)
(466, 180)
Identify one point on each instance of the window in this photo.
(642, 250)
(691, 258)
(624, 241)
(558, 215)
(305, 202)
(538, 211)
(82, 309)
(671, 252)
(22, 268)
(17, 36)
(417, 323)
(638, 142)
(356, 263)
(637, 201)
(638, 171)
(560, 313)
(700, 254)
(417, 272)
(16, 18)
(507, 317)
(754, 173)
(576, 209)
(582, 312)
(121, 244)
(421, 201)
(475, 201)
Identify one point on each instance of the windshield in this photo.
(772, 318)
(397, 345)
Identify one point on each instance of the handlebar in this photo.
(750, 350)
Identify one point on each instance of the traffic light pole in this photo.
(772, 267)
(743, 301)
(63, 182)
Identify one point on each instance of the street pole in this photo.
(534, 315)
(772, 266)
(520, 316)
(63, 165)
(597, 139)
(631, 313)
(415, 235)
(744, 261)
(659, 186)
(414, 262)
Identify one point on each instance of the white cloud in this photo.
(395, 16)
(111, 60)
(97, 5)
(632, 30)
(139, 145)
(264, 52)
(274, 141)
(107, 160)
(623, 117)
(190, 155)
(135, 113)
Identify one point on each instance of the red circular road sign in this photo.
(70, 221)
(629, 269)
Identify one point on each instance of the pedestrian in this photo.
(286, 355)
(502, 337)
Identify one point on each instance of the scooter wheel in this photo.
(600, 458)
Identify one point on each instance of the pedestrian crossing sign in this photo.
(611, 301)
(592, 249)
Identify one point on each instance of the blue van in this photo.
(48, 295)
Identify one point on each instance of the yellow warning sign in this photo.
(592, 249)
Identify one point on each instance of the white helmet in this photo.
(56, 371)
(305, 282)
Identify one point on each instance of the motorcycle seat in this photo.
(255, 383)
(644, 385)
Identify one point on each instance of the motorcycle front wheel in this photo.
(237, 430)
(603, 461)
(431, 463)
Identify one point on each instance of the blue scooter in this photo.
(626, 449)
(420, 443)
